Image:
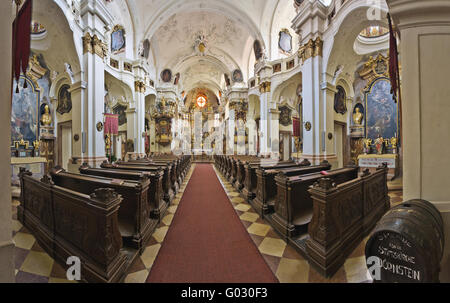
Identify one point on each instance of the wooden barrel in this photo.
(409, 242)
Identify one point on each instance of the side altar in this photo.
(375, 131)
(32, 127)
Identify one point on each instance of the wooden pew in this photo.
(168, 193)
(178, 167)
(135, 224)
(250, 179)
(343, 215)
(169, 166)
(233, 170)
(240, 171)
(266, 187)
(67, 223)
(157, 205)
(293, 204)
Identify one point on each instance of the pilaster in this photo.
(425, 40)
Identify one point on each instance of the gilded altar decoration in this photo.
(366, 145)
(46, 118)
(64, 100)
(285, 115)
(375, 68)
(240, 107)
(164, 108)
(36, 71)
(340, 101)
(312, 48)
(394, 142)
(36, 144)
(163, 131)
(358, 116)
(118, 39)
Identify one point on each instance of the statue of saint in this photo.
(46, 118)
(107, 142)
(357, 116)
(379, 144)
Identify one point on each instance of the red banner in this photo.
(111, 124)
(393, 60)
(296, 127)
(21, 41)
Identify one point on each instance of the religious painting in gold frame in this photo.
(381, 111)
(25, 113)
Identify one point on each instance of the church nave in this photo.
(224, 142)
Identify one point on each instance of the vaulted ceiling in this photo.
(229, 28)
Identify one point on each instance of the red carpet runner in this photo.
(206, 241)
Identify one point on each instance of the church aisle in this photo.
(33, 265)
(206, 241)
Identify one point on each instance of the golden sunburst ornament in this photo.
(201, 101)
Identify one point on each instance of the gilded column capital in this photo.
(93, 45)
(139, 86)
(312, 48)
(100, 48)
(264, 87)
(87, 44)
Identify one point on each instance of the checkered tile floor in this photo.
(33, 265)
(288, 265)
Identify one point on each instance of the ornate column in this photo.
(230, 127)
(88, 98)
(252, 136)
(88, 93)
(425, 40)
(264, 72)
(88, 104)
(131, 113)
(274, 131)
(240, 108)
(6, 242)
(317, 111)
